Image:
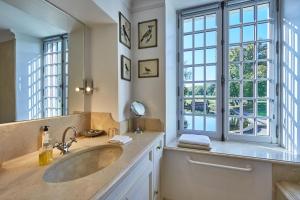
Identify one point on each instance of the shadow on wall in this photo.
(290, 81)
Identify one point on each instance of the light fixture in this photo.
(87, 87)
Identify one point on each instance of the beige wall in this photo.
(7, 81)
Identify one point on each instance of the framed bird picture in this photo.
(125, 68)
(148, 68)
(147, 34)
(124, 30)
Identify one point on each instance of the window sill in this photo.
(245, 150)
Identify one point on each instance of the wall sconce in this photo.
(87, 87)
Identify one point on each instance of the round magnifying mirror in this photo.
(138, 110)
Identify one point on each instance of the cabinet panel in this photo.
(158, 151)
(184, 180)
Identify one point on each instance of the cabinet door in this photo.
(183, 179)
(158, 150)
(141, 189)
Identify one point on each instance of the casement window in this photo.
(55, 82)
(228, 70)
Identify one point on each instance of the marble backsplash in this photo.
(19, 138)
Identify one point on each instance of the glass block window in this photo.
(55, 76)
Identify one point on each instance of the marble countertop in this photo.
(22, 178)
(267, 153)
(290, 190)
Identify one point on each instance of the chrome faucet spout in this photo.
(64, 146)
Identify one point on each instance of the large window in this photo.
(227, 70)
(55, 76)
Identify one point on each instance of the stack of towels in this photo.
(194, 141)
(120, 139)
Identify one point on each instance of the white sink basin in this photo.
(82, 163)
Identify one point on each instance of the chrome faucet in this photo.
(64, 146)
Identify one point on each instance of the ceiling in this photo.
(34, 17)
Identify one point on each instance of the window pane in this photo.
(199, 40)
(248, 71)
(248, 126)
(199, 23)
(188, 41)
(188, 90)
(211, 55)
(188, 58)
(248, 14)
(261, 127)
(211, 38)
(234, 35)
(188, 106)
(188, 122)
(199, 57)
(248, 51)
(199, 106)
(248, 89)
(262, 70)
(199, 123)
(210, 124)
(234, 53)
(211, 107)
(262, 88)
(263, 49)
(248, 33)
(248, 107)
(199, 89)
(234, 124)
(188, 25)
(211, 73)
(262, 108)
(188, 74)
(234, 71)
(199, 73)
(234, 89)
(263, 31)
(211, 89)
(211, 21)
(234, 107)
(234, 17)
(263, 12)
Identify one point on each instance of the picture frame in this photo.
(148, 68)
(124, 31)
(125, 68)
(147, 34)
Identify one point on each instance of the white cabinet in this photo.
(157, 157)
(211, 177)
(142, 181)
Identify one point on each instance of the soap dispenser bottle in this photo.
(46, 151)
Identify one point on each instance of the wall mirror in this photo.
(41, 61)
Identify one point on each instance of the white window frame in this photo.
(210, 9)
(272, 138)
(223, 121)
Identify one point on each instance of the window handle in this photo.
(248, 168)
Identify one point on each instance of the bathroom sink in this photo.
(82, 163)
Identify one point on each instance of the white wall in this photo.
(76, 70)
(104, 72)
(171, 71)
(291, 75)
(28, 77)
(150, 91)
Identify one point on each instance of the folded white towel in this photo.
(120, 139)
(202, 140)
